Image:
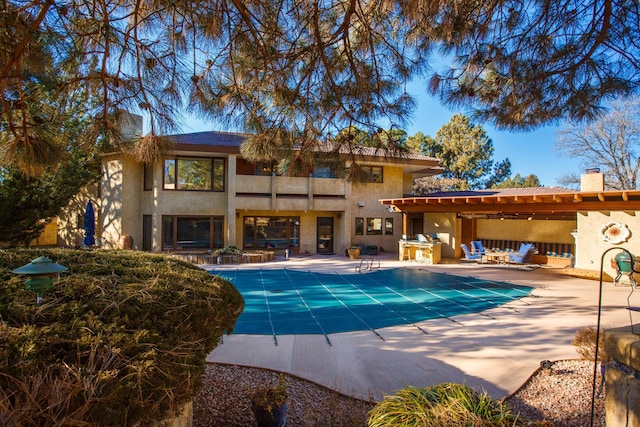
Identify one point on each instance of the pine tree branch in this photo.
(4, 73)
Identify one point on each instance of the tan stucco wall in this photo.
(70, 221)
(447, 226)
(591, 244)
(121, 183)
(48, 236)
(592, 182)
(407, 187)
(370, 194)
(555, 231)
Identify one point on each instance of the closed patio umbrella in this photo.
(89, 226)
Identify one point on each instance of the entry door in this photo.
(325, 235)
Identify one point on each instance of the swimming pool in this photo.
(283, 302)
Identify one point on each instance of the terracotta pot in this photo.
(126, 242)
(354, 253)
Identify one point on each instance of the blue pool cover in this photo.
(282, 302)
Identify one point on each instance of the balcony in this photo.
(286, 193)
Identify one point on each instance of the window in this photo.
(374, 173)
(320, 172)
(374, 226)
(218, 174)
(148, 177)
(324, 170)
(194, 174)
(180, 232)
(388, 226)
(265, 232)
(359, 226)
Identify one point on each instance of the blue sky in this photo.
(529, 152)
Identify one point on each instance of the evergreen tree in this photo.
(295, 72)
(466, 152)
(518, 181)
(39, 178)
(28, 203)
(501, 172)
(423, 144)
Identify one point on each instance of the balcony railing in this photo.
(285, 193)
(281, 185)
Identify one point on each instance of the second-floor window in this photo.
(189, 173)
(324, 172)
(148, 177)
(374, 173)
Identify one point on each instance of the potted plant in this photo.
(269, 403)
(353, 251)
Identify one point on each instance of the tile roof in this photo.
(230, 139)
(210, 138)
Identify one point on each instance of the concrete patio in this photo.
(495, 350)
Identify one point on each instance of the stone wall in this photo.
(622, 376)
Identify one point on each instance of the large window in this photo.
(267, 232)
(181, 232)
(194, 174)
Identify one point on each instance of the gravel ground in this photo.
(561, 396)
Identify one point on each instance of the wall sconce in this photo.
(361, 203)
(390, 209)
(40, 275)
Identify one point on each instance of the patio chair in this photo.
(468, 256)
(477, 247)
(523, 256)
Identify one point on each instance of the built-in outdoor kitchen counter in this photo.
(421, 250)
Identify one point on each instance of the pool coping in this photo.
(495, 353)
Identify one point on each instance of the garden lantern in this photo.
(41, 272)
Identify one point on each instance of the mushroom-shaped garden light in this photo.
(41, 273)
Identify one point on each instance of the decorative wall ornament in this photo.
(615, 232)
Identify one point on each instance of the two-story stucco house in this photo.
(204, 195)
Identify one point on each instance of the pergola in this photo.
(517, 203)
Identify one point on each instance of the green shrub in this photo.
(269, 396)
(441, 405)
(228, 250)
(120, 340)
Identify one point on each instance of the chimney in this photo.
(130, 124)
(592, 180)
